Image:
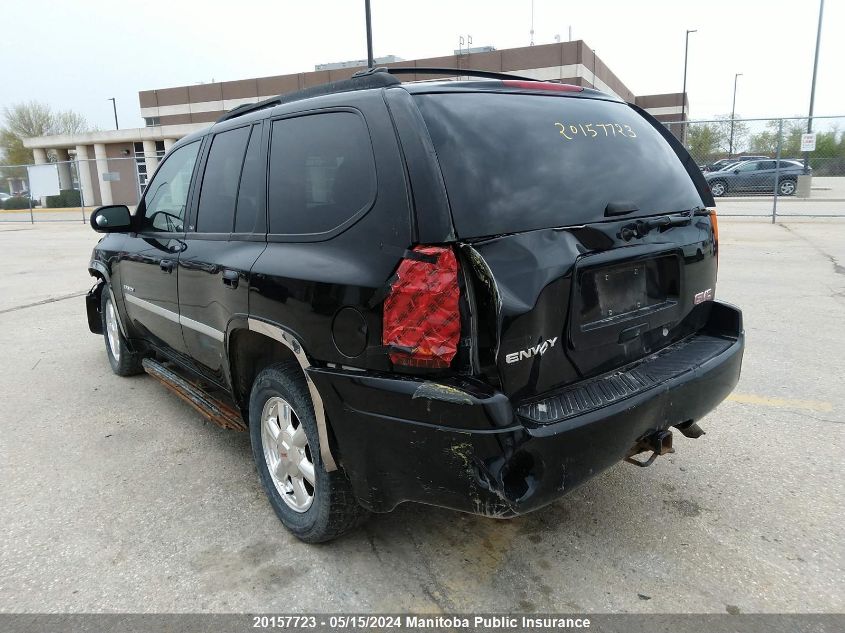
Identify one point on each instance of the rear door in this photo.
(744, 177)
(225, 236)
(149, 261)
(583, 226)
(764, 176)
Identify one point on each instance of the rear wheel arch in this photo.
(249, 352)
(254, 345)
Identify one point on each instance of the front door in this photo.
(224, 238)
(148, 264)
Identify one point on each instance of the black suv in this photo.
(471, 294)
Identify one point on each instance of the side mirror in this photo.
(736, 171)
(113, 218)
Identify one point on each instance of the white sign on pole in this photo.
(43, 180)
(808, 142)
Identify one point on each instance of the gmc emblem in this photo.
(704, 295)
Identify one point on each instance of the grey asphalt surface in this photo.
(116, 496)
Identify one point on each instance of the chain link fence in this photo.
(759, 167)
(75, 187)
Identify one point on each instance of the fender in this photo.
(293, 344)
(96, 268)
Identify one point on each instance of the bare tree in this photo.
(25, 120)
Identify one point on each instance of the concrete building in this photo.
(114, 165)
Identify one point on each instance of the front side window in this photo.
(166, 196)
(322, 172)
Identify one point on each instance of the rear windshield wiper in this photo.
(641, 228)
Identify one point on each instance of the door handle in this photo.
(230, 278)
(166, 265)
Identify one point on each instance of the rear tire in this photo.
(315, 505)
(123, 361)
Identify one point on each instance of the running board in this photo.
(193, 392)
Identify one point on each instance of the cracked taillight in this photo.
(422, 320)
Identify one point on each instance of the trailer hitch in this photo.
(658, 443)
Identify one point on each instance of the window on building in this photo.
(140, 166)
(322, 172)
(141, 163)
(149, 121)
(216, 212)
(166, 197)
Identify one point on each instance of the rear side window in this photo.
(515, 162)
(249, 192)
(216, 212)
(322, 172)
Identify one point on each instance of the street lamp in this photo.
(684, 91)
(114, 107)
(733, 113)
(813, 86)
(370, 61)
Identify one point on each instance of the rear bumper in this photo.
(465, 446)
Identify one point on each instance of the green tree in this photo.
(740, 135)
(703, 141)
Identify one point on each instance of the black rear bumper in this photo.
(461, 445)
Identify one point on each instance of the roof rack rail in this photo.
(362, 80)
(425, 70)
(376, 80)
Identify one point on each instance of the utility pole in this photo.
(684, 91)
(733, 114)
(813, 86)
(114, 107)
(370, 61)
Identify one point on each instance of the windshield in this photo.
(516, 162)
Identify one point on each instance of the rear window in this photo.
(515, 162)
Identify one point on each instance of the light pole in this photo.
(684, 91)
(114, 107)
(370, 61)
(813, 86)
(733, 113)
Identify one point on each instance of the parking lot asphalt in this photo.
(117, 496)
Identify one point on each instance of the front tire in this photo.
(123, 361)
(786, 187)
(315, 505)
(718, 188)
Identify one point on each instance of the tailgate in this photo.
(554, 308)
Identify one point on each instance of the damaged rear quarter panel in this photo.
(523, 284)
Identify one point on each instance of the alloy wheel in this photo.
(112, 333)
(287, 454)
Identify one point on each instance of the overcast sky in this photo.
(76, 54)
